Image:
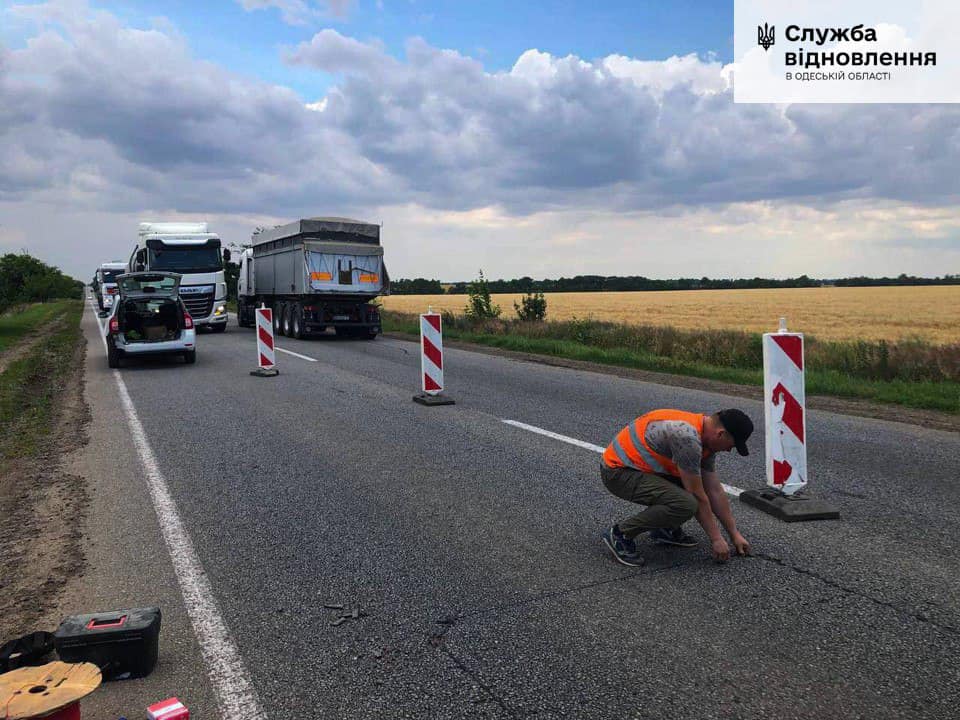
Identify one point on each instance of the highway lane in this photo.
(473, 547)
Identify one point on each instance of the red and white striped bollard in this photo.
(266, 358)
(431, 361)
(785, 418)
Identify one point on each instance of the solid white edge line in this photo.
(235, 694)
(101, 326)
(729, 489)
(290, 352)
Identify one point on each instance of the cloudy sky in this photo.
(525, 138)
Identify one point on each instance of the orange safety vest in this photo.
(629, 448)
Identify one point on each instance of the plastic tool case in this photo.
(120, 642)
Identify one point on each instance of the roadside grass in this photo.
(30, 386)
(914, 374)
(15, 325)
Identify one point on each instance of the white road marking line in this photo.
(235, 695)
(556, 436)
(729, 489)
(290, 352)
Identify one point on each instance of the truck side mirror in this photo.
(140, 267)
(226, 255)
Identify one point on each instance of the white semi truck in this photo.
(106, 288)
(194, 252)
(315, 273)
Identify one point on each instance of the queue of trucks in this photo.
(313, 273)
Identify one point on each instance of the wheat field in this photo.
(887, 313)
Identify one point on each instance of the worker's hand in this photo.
(741, 544)
(721, 551)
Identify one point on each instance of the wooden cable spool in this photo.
(39, 692)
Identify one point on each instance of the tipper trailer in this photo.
(314, 274)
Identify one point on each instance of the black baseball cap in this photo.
(739, 426)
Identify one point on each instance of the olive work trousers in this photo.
(668, 504)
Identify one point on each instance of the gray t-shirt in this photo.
(680, 442)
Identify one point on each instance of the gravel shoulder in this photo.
(42, 506)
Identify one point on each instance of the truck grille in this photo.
(199, 305)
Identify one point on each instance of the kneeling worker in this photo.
(666, 460)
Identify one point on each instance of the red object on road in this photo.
(71, 712)
(169, 709)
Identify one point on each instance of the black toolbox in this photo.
(121, 642)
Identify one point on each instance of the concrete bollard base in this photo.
(265, 372)
(789, 508)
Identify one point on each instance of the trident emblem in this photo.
(765, 35)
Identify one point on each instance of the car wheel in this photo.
(370, 334)
(113, 356)
(190, 357)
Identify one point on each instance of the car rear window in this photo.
(149, 283)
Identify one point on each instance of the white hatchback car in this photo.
(149, 318)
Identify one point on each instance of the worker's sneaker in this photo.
(672, 536)
(623, 548)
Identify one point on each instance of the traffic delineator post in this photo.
(266, 357)
(431, 361)
(785, 423)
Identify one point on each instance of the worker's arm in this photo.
(694, 485)
(721, 508)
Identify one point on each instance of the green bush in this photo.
(532, 307)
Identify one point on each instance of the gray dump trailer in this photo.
(315, 274)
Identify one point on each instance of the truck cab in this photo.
(192, 251)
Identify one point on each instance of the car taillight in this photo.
(114, 326)
(187, 321)
(309, 308)
(111, 291)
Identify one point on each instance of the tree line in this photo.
(24, 279)
(600, 283)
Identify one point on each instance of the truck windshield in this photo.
(199, 259)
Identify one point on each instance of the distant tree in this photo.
(25, 279)
(479, 305)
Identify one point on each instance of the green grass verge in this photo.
(928, 395)
(30, 386)
(17, 324)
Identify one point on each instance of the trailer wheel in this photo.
(296, 331)
(286, 319)
(278, 320)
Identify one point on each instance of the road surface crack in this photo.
(438, 639)
(914, 615)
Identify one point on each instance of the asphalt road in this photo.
(473, 547)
